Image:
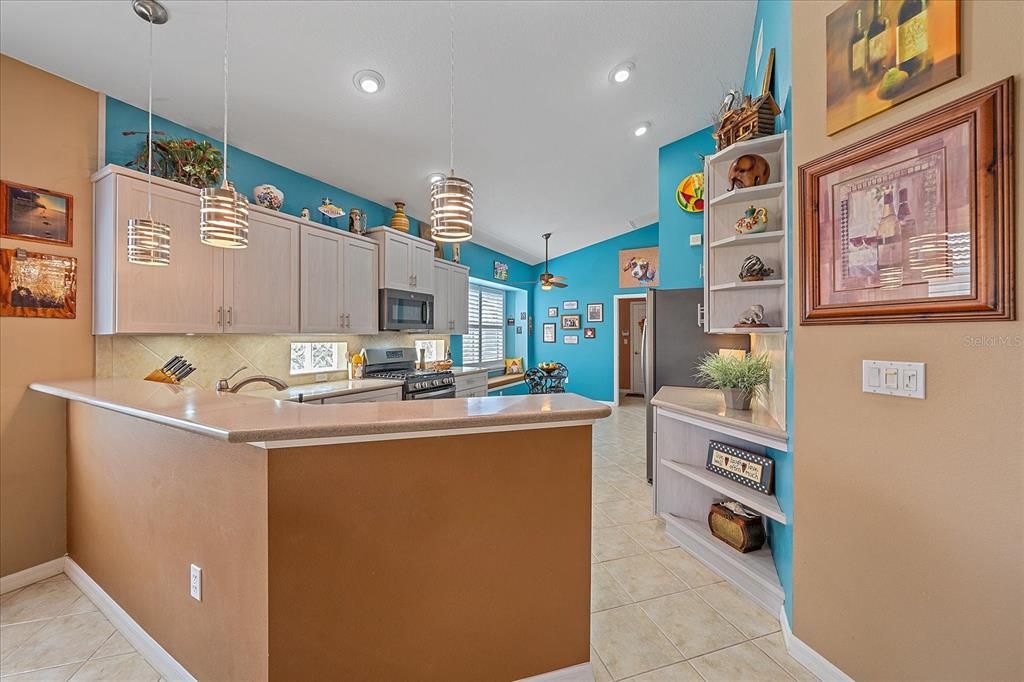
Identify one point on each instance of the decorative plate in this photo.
(690, 193)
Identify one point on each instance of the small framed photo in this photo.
(571, 339)
(595, 312)
(589, 333)
(519, 330)
(571, 322)
(500, 271)
(510, 321)
(549, 332)
(553, 312)
(571, 305)
(522, 315)
(36, 215)
(742, 466)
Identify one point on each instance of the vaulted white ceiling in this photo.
(541, 132)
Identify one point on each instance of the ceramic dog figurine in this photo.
(749, 170)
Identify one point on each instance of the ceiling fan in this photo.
(547, 280)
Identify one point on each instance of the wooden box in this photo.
(742, 533)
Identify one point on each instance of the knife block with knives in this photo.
(173, 372)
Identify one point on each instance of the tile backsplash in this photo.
(218, 355)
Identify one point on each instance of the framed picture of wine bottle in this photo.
(915, 224)
(880, 53)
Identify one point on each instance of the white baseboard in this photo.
(584, 672)
(154, 654)
(16, 581)
(820, 667)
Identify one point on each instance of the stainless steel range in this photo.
(400, 363)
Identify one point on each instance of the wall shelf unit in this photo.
(726, 298)
(686, 420)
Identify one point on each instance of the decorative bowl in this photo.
(268, 196)
(548, 367)
(442, 365)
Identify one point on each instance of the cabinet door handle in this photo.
(229, 316)
(348, 319)
(220, 316)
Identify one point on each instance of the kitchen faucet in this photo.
(225, 385)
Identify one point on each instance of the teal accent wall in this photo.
(244, 169)
(773, 17)
(680, 262)
(593, 277)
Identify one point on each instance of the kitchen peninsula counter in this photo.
(250, 418)
(341, 541)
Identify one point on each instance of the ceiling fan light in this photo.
(545, 287)
(223, 217)
(451, 210)
(149, 242)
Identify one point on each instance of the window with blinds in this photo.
(485, 342)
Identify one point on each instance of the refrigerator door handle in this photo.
(700, 314)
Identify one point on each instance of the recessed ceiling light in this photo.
(642, 128)
(368, 81)
(622, 72)
(436, 177)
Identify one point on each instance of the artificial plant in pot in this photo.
(739, 378)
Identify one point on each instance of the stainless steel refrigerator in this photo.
(673, 341)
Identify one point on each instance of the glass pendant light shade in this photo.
(149, 242)
(223, 217)
(451, 210)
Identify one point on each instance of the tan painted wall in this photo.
(48, 138)
(908, 545)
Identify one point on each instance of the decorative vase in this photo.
(400, 221)
(736, 398)
(268, 196)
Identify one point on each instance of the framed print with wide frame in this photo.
(595, 312)
(36, 215)
(571, 322)
(915, 224)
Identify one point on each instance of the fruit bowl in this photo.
(548, 367)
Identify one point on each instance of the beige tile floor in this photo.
(51, 631)
(659, 614)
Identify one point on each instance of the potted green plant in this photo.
(739, 378)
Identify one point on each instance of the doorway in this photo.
(630, 312)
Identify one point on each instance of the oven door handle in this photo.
(440, 391)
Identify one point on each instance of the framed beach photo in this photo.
(36, 215)
(549, 332)
(571, 322)
(595, 312)
(915, 224)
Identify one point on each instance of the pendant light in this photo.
(223, 212)
(149, 241)
(451, 198)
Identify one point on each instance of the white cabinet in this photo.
(185, 296)
(377, 396)
(471, 385)
(339, 282)
(359, 286)
(451, 298)
(261, 281)
(406, 262)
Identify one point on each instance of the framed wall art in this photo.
(595, 312)
(36, 215)
(549, 332)
(500, 271)
(915, 224)
(570, 305)
(571, 322)
(552, 312)
(571, 339)
(638, 267)
(749, 468)
(37, 284)
(879, 54)
(589, 332)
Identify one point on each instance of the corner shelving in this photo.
(726, 298)
(765, 504)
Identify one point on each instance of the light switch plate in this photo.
(903, 379)
(695, 239)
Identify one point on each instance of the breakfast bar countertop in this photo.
(324, 389)
(239, 418)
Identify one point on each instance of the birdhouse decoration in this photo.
(749, 118)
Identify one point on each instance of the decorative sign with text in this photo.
(747, 468)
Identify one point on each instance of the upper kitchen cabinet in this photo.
(406, 262)
(261, 281)
(186, 296)
(339, 282)
(451, 298)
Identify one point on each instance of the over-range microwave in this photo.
(404, 311)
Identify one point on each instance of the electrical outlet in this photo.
(195, 586)
(695, 239)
